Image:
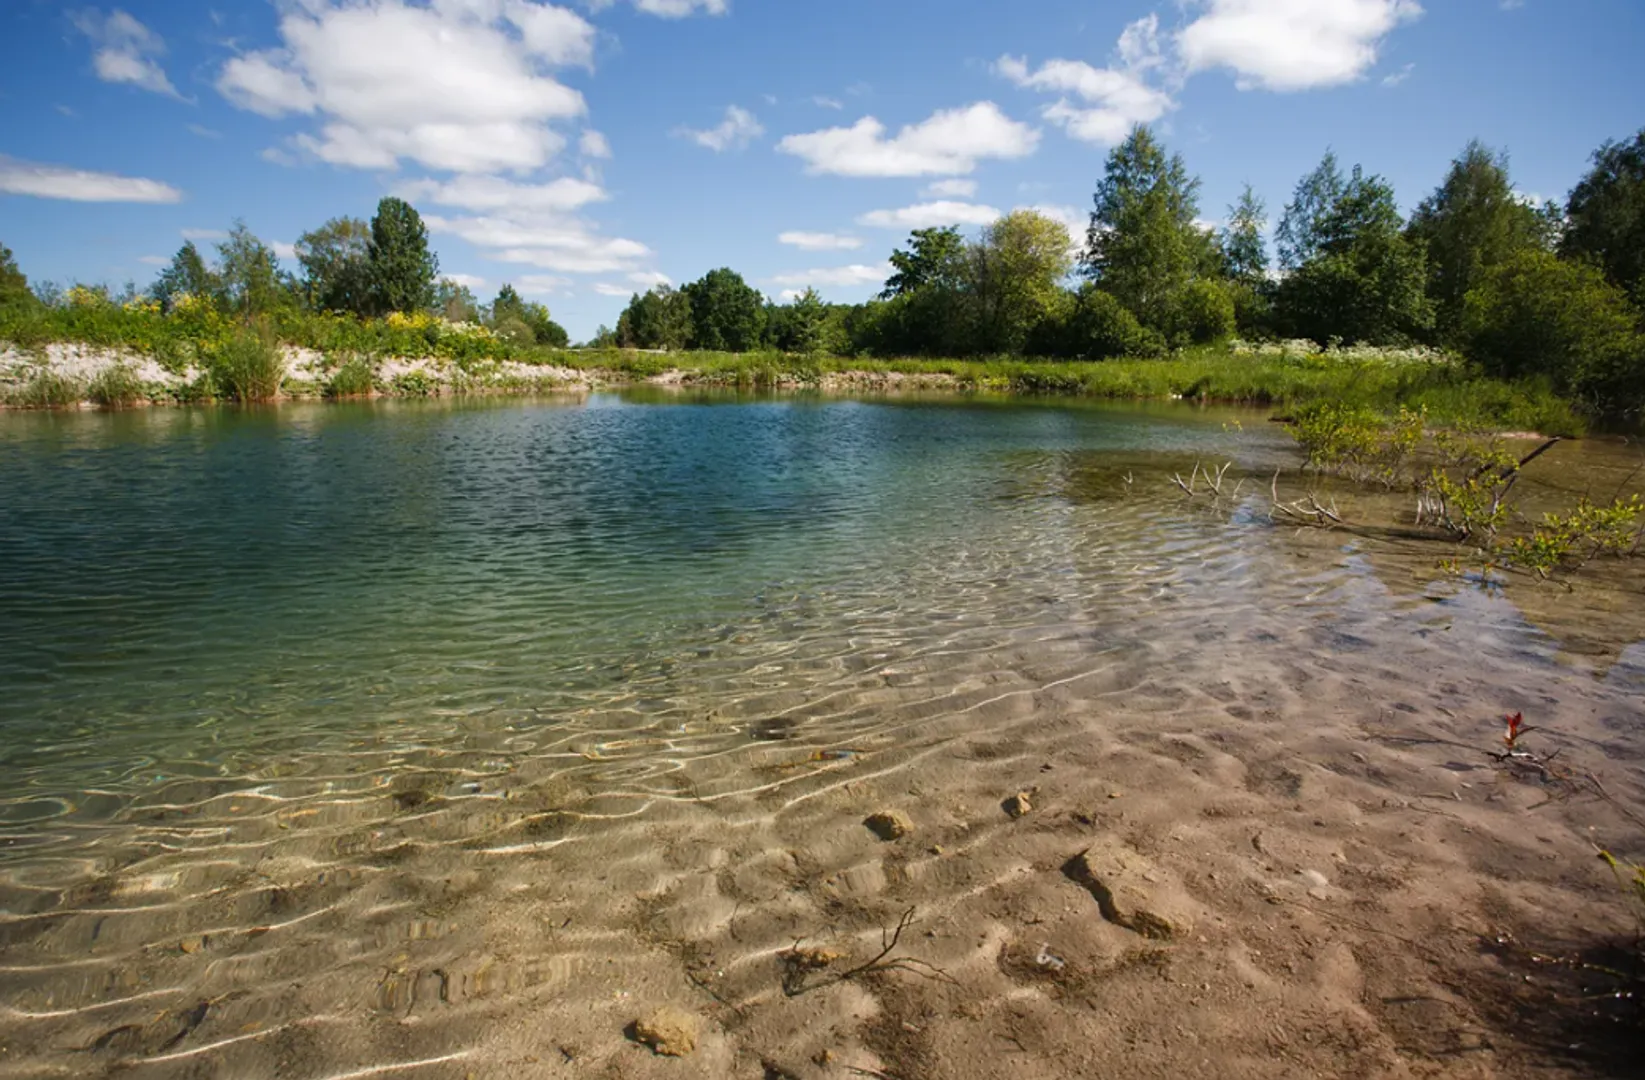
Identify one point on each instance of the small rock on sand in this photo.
(668, 1032)
(1019, 804)
(889, 824)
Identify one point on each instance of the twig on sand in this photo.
(799, 963)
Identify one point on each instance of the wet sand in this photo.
(1263, 837)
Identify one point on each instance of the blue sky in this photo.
(586, 150)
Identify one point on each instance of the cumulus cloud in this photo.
(495, 193)
(467, 281)
(1291, 44)
(930, 215)
(18, 177)
(1100, 105)
(669, 9)
(950, 189)
(593, 145)
(564, 244)
(283, 250)
(649, 279)
(949, 142)
(460, 85)
(127, 51)
(815, 241)
(736, 131)
(841, 276)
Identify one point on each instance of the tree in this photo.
(802, 324)
(1092, 325)
(1019, 266)
(1142, 244)
(658, 319)
(1364, 279)
(935, 258)
(14, 286)
(188, 275)
(1298, 236)
(1471, 223)
(252, 283)
(403, 269)
(455, 303)
(544, 330)
(507, 305)
(726, 313)
(336, 261)
(1244, 253)
(1538, 315)
(1605, 215)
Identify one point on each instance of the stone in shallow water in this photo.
(668, 1031)
(889, 824)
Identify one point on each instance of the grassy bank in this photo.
(189, 355)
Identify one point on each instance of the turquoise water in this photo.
(346, 739)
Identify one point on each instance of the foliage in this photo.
(187, 275)
(1142, 244)
(726, 312)
(1540, 315)
(1244, 254)
(1202, 313)
(1605, 216)
(1579, 536)
(251, 366)
(116, 386)
(14, 287)
(455, 303)
(1472, 223)
(1356, 441)
(936, 258)
(336, 261)
(1092, 325)
(47, 389)
(802, 325)
(1017, 272)
(249, 273)
(356, 376)
(403, 268)
(658, 319)
(1301, 228)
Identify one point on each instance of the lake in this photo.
(445, 738)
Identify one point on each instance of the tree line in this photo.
(1553, 291)
(349, 266)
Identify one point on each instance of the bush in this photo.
(1202, 313)
(48, 390)
(1537, 315)
(115, 387)
(355, 377)
(1094, 325)
(251, 366)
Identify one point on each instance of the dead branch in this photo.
(799, 964)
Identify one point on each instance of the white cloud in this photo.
(649, 279)
(736, 131)
(551, 241)
(950, 189)
(283, 250)
(1291, 44)
(540, 284)
(19, 177)
(824, 102)
(204, 234)
(950, 142)
(931, 215)
(1397, 77)
(457, 86)
(593, 145)
(668, 9)
(788, 296)
(127, 51)
(154, 260)
(467, 281)
(486, 193)
(813, 241)
(842, 276)
(605, 288)
(1100, 105)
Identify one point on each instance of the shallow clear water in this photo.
(264, 674)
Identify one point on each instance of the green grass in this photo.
(115, 387)
(250, 367)
(355, 377)
(47, 390)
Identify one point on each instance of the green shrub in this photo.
(1540, 316)
(354, 377)
(1357, 441)
(1202, 313)
(48, 390)
(251, 366)
(116, 386)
